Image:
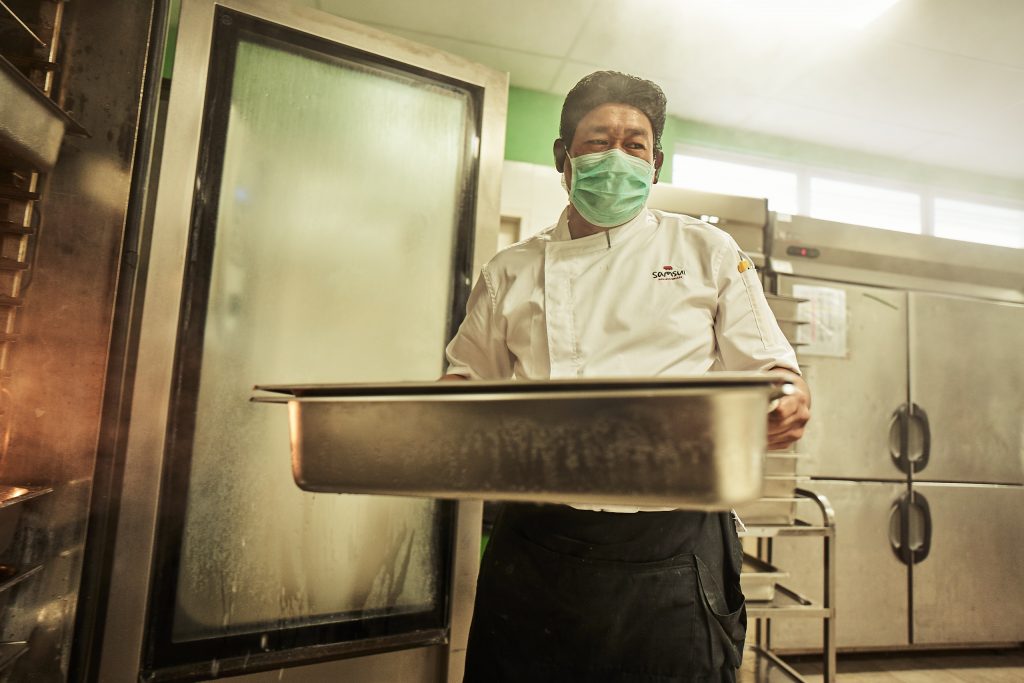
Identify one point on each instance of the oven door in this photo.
(320, 192)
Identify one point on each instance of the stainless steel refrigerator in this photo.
(915, 358)
(323, 195)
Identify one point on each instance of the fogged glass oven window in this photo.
(331, 258)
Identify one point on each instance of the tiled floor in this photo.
(985, 666)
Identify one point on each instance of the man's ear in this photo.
(659, 159)
(558, 149)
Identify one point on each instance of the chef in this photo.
(614, 289)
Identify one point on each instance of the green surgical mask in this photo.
(610, 188)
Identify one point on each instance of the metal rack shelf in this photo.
(18, 193)
(799, 528)
(12, 228)
(7, 14)
(12, 495)
(9, 653)
(33, 137)
(786, 603)
(12, 575)
(766, 666)
(33, 126)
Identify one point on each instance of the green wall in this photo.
(173, 14)
(533, 126)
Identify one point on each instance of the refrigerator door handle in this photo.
(920, 461)
(899, 528)
(899, 438)
(919, 549)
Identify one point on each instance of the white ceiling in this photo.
(933, 81)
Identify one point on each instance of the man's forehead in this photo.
(605, 127)
(607, 117)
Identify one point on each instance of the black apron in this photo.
(574, 595)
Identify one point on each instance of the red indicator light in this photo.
(803, 252)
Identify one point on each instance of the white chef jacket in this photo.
(660, 296)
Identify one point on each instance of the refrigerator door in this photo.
(871, 582)
(856, 396)
(968, 589)
(317, 212)
(966, 375)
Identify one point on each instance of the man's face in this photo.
(611, 126)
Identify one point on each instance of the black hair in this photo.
(604, 87)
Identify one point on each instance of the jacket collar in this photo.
(561, 240)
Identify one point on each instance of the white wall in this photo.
(533, 194)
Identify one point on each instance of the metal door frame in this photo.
(132, 567)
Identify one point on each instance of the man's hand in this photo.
(786, 423)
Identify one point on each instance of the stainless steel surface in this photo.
(418, 665)
(871, 583)
(687, 442)
(146, 438)
(31, 125)
(967, 373)
(744, 218)
(855, 397)
(758, 579)
(969, 589)
(465, 567)
(853, 253)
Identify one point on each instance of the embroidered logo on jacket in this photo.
(668, 273)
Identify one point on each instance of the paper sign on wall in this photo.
(826, 311)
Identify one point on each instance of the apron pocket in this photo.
(726, 625)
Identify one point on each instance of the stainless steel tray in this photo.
(774, 510)
(31, 125)
(758, 579)
(696, 442)
(781, 464)
(785, 307)
(790, 329)
(776, 485)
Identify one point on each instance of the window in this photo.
(724, 177)
(983, 223)
(873, 206)
(874, 202)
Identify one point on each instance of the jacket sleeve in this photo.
(747, 334)
(478, 350)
